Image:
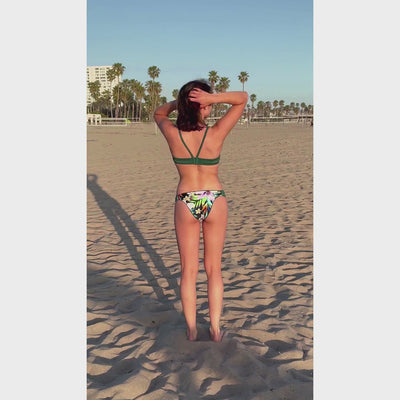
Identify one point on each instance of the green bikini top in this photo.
(195, 160)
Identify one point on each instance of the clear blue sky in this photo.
(272, 40)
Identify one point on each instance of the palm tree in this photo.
(140, 93)
(281, 103)
(268, 107)
(220, 87)
(115, 97)
(213, 78)
(275, 103)
(126, 95)
(260, 108)
(253, 98)
(118, 71)
(131, 87)
(286, 108)
(157, 89)
(175, 93)
(224, 83)
(94, 89)
(153, 72)
(106, 99)
(243, 77)
(135, 87)
(153, 89)
(110, 77)
(103, 103)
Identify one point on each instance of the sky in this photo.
(271, 40)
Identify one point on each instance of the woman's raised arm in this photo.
(161, 115)
(237, 100)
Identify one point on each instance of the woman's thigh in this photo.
(187, 230)
(214, 229)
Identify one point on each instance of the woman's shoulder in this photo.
(169, 130)
(216, 132)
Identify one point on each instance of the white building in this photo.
(98, 73)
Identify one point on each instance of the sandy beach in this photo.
(136, 334)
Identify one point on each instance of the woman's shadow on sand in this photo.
(127, 229)
(168, 343)
(123, 366)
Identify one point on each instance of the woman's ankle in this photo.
(215, 330)
(191, 334)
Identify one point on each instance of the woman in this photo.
(200, 199)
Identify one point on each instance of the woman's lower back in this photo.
(198, 177)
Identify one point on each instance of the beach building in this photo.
(98, 73)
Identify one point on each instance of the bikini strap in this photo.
(187, 148)
(201, 145)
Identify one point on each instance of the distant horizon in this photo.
(272, 42)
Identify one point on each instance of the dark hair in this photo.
(189, 118)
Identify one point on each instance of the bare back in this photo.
(207, 144)
(195, 177)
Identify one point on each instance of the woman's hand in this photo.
(200, 96)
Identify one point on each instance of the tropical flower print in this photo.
(200, 202)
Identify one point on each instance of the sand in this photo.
(136, 335)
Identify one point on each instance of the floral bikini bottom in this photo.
(200, 202)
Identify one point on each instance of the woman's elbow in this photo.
(157, 117)
(158, 113)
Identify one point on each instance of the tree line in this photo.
(134, 100)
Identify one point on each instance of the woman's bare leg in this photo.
(214, 228)
(188, 236)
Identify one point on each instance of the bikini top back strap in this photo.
(187, 148)
(201, 145)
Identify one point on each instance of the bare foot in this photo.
(191, 336)
(216, 336)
